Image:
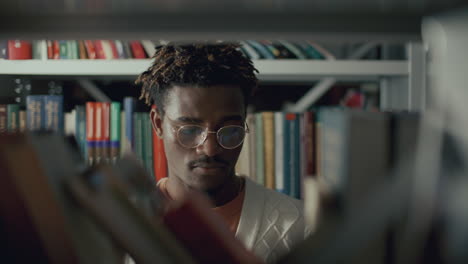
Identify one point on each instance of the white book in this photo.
(149, 47)
(106, 46)
(279, 151)
(70, 123)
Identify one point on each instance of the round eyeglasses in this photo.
(229, 137)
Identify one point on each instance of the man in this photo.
(201, 92)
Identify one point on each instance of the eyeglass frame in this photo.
(207, 131)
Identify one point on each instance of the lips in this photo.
(210, 166)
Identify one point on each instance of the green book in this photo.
(115, 126)
(259, 148)
(13, 117)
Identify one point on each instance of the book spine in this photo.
(149, 47)
(120, 49)
(287, 153)
(99, 133)
(13, 117)
(90, 49)
(279, 152)
(3, 50)
(115, 131)
(3, 118)
(99, 47)
(253, 146)
(82, 50)
(55, 50)
(19, 50)
(123, 142)
(35, 118)
(22, 121)
(129, 108)
(91, 132)
(137, 50)
(80, 133)
(295, 157)
(54, 120)
(113, 47)
(50, 50)
(269, 148)
(106, 132)
(260, 149)
(63, 46)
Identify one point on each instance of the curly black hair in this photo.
(196, 64)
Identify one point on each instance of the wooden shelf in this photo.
(270, 70)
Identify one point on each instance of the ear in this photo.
(156, 122)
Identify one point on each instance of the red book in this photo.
(55, 50)
(19, 50)
(50, 50)
(204, 233)
(90, 49)
(159, 156)
(115, 53)
(100, 54)
(137, 50)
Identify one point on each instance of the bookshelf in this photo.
(270, 70)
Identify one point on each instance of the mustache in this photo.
(205, 160)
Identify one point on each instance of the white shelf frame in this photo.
(270, 70)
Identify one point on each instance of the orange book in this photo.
(159, 156)
(82, 50)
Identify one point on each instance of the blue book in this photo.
(35, 113)
(53, 107)
(129, 108)
(80, 128)
(261, 49)
(4, 49)
(295, 155)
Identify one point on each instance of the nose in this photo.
(210, 147)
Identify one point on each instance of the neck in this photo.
(220, 196)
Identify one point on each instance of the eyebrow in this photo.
(186, 119)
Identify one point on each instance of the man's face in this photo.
(209, 166)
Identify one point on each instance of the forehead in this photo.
(206, 103)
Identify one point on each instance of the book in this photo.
(80, 126)
(279, 152)
(106, 119)
(53, 115)
(55, 50)
(265, 53)
(82, 50)
(253, 146)
(19, 50)
(106, 197)
(149, 47)
(120, 49)
(99, 47)
(115, 128)
(137, 49)
(35, 113)
(243, 162)
(148, 145)
(50, 50)
(3, 118)
(129, 108)
(22, 121)
(63, 47)
(269, 148)
(294, 154)
(99, 155)
(3, 49)
(91, 132)
(138, 136)
(115, 53)
(259, 149)
(90, 49)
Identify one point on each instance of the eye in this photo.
(191, 130)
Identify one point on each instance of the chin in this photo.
(208, 181)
